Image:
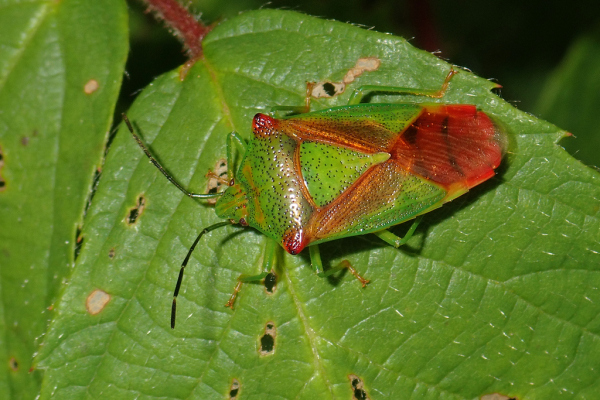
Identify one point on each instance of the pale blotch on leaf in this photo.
(91, 86)
(358, 388)
(234, 389)
(331, 89)
(267, 341)
(217, 180)
(13, 364)
(96, 301)
(497, 396)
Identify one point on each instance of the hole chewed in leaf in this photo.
(497, 396)
(270, 282)
(234, 389)
(13, 364)
(78, 243)
(96, 301)
(217, 180)
(358, 388)
(2, 181)
(135, 212)
(331, 89)
(267, 341)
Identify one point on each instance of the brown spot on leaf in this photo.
(91, 86)
(267, 341)
(78, 242)
(96, 301)
(24, 140)
(13, 364)
(2, 182)
(111, 253)
(496, 396)
(358, 388)
(135, 212)
(331, 89)
(234, 389)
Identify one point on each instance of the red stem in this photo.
(189, 30)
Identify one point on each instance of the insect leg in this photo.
(396, 241)
(297, 109)
(267, 267)
(162, 169)
(317, 264)
(184, 264)
(233, 140)
(359, 93)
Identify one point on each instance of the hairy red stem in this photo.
(185, 25)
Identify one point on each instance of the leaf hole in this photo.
(358, 388)
(135, 212)
(270, 282)
(234, 389)
(267, 341)
(13, 364)
(78, 243)
(2, 181)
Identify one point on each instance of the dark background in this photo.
(528, 46)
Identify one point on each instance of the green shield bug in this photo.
(314, 177)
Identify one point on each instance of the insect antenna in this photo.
(183, 265)
(162, 169)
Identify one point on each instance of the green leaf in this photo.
(497, 291)
(52, 137)
(571, 97)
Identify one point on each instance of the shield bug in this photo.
(314, 177)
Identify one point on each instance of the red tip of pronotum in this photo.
(263, 125)
(294, 241)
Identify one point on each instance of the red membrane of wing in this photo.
(452, 145)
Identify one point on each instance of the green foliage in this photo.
(52, 136)
(572, 99)
(496, 292)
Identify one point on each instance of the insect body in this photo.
(358, 169)
(352, 170)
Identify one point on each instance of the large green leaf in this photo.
(60, 72)
(497, 291)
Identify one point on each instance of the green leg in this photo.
(359, 93)
(317, 265)
(233, 140)
(396, 241)
(297, 109)
(268, 265)
(162, 169)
